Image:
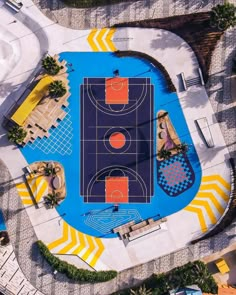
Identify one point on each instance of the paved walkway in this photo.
(112, 14)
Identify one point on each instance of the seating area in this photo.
(39, 112)
(131, 230)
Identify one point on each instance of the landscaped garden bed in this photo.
(72, 272)
(192, 273)
(195, 29)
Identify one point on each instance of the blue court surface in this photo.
(167, 193)
(2, 223)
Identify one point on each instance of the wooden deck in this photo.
(49, 111)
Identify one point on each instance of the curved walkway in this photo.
(109, 15)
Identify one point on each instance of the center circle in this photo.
(117, 140)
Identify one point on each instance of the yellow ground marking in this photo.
(27, 202)
(217, 178)
(71, 244)
(61, 240)
(200, 215)
(90, 249)
(100, 40)
(24, 193)
(215, 187)
(214, 200)
(90, 39)
(20, 186)
(82, 244)
(206, 205)
(108, 39)
(41, 192)
(98, 253)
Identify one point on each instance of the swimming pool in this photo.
(63, 145)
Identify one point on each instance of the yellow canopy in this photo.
(31, 101)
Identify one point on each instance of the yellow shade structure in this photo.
(31, 101)
(222, 266)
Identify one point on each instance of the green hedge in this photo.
(72, 272)
(192, 273)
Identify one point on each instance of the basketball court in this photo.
(116, 140)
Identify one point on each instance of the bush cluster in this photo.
(192, 273)
(72, 272)
(169, 84)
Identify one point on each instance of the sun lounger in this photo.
(14, 4)
(203, 127)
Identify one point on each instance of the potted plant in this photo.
(50, 65)
(182, 147)
(57, 89)
(51, 200)
(164, 154)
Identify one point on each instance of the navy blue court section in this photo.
(99, 159)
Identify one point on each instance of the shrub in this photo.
(4, 238)
(17, 134)
(223, 16)
(192, 273)
(72, 272)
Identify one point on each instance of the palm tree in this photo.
(164, 154)
(182, 147)
(57, 89)
(141, 291)
(50, 65)
(17, 134)
(223, 16)
(51, 200)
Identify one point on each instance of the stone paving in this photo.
(36, 270)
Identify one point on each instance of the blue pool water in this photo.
(64, 146)
(2, 223)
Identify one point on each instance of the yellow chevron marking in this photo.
(206, 205)
(71, 244)
(42, 191)
(200, 215)
(90, 39)
(215, 187)
(100, 41)
(27, 202)
(82, 244)
(24, 193)
(98, 253)
(20, 186)
(218, 178)
(214, 200)
(108, 39)
(90, 249)
(61, 240)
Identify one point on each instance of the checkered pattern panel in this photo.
(175, 175)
